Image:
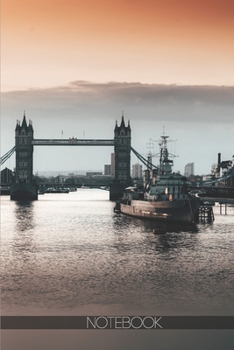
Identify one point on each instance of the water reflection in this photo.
(173, 244)
(23, 242)
(24, 215)
(167, 227)
(69, 255)
(147, 236)
(157, 227)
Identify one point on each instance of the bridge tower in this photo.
(23, 187)
(122, 149)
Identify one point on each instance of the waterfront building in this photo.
(6, 176)
(224, 166)
(137, 171)
(107, 169)
(189, 169)
(93, 173)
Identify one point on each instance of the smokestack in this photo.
(219, 162)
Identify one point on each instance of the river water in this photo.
(70, 254)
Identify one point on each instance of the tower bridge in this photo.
(24, 186)
(72, 142)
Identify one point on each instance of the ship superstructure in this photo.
(165, 197)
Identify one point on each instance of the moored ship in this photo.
(165, 197)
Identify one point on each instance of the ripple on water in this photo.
(65, 253)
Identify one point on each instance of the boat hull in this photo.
(183, 210)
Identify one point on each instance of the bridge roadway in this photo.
(213, 191)
(72, 142)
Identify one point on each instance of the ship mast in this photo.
(165, 164)
(163, 150)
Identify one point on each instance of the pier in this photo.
(223, 203)
(205, 213)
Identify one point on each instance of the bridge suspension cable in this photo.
(145, 161)
(6, 156)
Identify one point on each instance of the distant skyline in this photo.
(199, 118)
(74, 65)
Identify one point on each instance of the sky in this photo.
(73, 66)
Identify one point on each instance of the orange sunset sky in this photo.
(47, 43)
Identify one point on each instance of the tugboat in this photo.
(165, 197)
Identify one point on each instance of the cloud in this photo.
(201, 117)
(168, 102)
(87, 105)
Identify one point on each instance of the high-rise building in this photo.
(137, 171)
(189, 169)
(107, 169)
